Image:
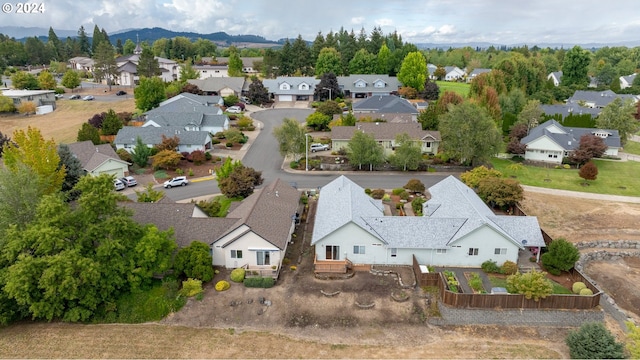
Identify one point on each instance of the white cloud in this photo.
(384, 22)
(359, 20)
(446, 30)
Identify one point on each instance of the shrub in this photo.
(191, 287)
(294, 164)
(207, 156)
(222, 285)
(398, 205)
(386, 197)
(404, 195)
(259, 282)
(566, 166)
(509, 268)
(416, 205)
(198, 157)
(293, 268)
(237, 275)
(377, 193)
(490, 266)
(229, 144)
(179, 171)
(124, 155)
(533, 285)
(577, 286)
(190, 172)
(397, 191)
(593, 341)
(475, 282)
(586, 292)
(26, 107)
(562, 255)
(367, 191)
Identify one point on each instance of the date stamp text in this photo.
(23, 8)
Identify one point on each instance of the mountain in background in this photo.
(20, 32)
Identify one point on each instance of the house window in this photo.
(473, 251)
(441, 251)
(358, 249)
(394, 252)
(428, 144)
(500, 251)
(263, 258)
(236, 254)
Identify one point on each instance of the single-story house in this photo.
(597, 99)
(454, 73)
(99, 159)
(627, 81)
(81, 63)
(551, 142)
(151, 136)
(38, 97)
(385, 106)
(249, 64)
(207, 71)
(204, 100)
(431, 69)
(221, 86)
(363, 86)
(457, 229)
(472, 75)
(189, 121)
(556, 77)
(253, 235)
(385, 134)
(294, 88)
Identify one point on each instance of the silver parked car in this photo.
(176, 181)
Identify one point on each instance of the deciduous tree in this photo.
(194, 261)
(413, 71)
(561, 256)
(363, 149)
(633, 340)
(166, 159)
(618, 115)
(407, 154)
(588, 171)
(71, 79)
(258, 94)
(533, 285)
(328, 87)
(235, 63)
(329, 61)
(46, 81)
(241, 182)
(415, 186)
(24, 80)
(500, 192)
(590, 147)
(363, 62)
(473, 177)
(469, 134)
(291, 138)
(575, 67)
(149, 94)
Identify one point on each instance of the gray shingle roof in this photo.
(349, 82)
(268, 212)
(92, 156)
(385, 131)
(153, 135)
(215, 84)
(273, 85)
(567, 109)
(569, 137)
(343, 201)
(453, 211)
(385, 104)
(478, 71)
(185, 105)
(599, 98)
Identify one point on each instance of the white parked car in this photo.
(176, 181)
(119, 185)
(234, 109)
(318, 147)
(129, 181)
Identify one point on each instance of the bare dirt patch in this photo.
(619, 280)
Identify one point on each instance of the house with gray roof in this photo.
(189, 121)
(472, 75)
(457, 229)
(254, 235)
(222, 86)
(550, 141)
(385, 134)
(204, 100)
(556, 77)
(99, 159)
(151, 136)
(454, 73)
(385, 105)
(627, 81)
(565, 110)
(363, 86)
(598, 99)
(291, 88)
(250, 65)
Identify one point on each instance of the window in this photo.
(441, 251)
(500, 251)
(358, 249)
(262, 258)
(473, 251)
(428, 144)
(394, 252)
(236, 254)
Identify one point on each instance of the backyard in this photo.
(458, 87)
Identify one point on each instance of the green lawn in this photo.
(502, 282)
(632, 147)
(614, 177)
(460, 88)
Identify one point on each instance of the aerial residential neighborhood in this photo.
(341, 193)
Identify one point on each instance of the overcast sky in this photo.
(418, 21)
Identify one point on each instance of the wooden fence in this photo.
(509, 301)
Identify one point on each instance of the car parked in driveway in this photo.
(88, 98)
(234, 109)
(176, 181)
(129, 181)
(318, 147)
(119, 185)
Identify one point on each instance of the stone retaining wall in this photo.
(380, 272)
(515, 317)
(622, 244)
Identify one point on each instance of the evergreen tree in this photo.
(148, 64)
(575, 67)
(83, 42)
(96, 40)
(594, 341)
(105, 67)
(235, 63)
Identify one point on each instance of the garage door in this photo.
(285, 97)
(118, 173)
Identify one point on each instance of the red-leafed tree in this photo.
(588, 171)
(591, 146)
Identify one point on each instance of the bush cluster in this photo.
(259, 282)
(191, 287)
(222, 285)
(377, 193)
(490, 266)
(577, 286)
(237, 275)
(509, 268)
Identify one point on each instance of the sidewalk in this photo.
(582, 195)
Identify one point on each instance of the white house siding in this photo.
(486, 240)
(190, 148)
(226, 92)
(111, 167)
(249, 244)
(611, 152)
(346, 237)
(544, 149)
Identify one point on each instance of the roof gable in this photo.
(92, 156)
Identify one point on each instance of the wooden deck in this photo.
(331, 266)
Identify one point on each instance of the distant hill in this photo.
(20, 32)
(152, 34)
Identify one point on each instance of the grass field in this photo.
(62, 124)
(460, 88)
(632, 147)
(614, 177)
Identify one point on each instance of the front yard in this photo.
(614, 177)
